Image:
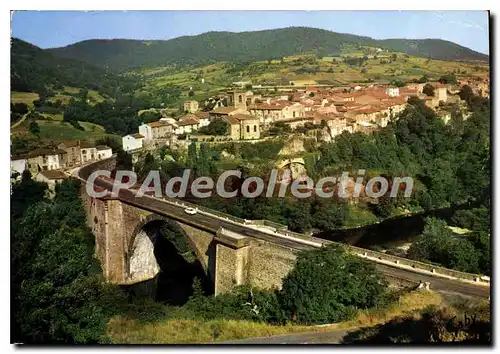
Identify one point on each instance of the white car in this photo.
(190, 211)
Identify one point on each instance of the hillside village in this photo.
(313, 110)
(331, 111)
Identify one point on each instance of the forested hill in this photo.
(123, 54)
(34, 70)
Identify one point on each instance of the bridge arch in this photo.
(160, 249)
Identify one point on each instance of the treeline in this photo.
(60, 297)
(448, 162)
(214, 47)
(468, 252)
(118, 116)
(36, 70)
(57, 291)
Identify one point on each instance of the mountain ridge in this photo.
(214, 46)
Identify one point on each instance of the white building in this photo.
(42, 159)
(88, 153)
(18, 166)
(392, 91)
(146, 131)
(103, 152)
(132, 142)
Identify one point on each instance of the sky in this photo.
(48, 29)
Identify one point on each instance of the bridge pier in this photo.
(231, 261)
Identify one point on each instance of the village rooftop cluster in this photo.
(251, 116)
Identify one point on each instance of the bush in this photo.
(328, 285)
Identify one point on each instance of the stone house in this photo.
(243, 127)
(224, 112)
(203, 117)
(88, 152)
(441, 93)
(191, 106)
(51, 177)
(157, 130)
(187, 124)
(297, 122)
(43, 159)
(269, 113)
(73, 154)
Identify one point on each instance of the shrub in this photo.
(329, 285)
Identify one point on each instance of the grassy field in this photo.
(65, 95)
(379, 67)
(57, 130)
(23, 97)
(178, 330)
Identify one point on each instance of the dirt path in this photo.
(20, 121)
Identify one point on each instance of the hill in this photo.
(212, 47)
(35, 70)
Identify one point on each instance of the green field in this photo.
(55, 130)
(23, 97)
(65, 95)
(378, 68)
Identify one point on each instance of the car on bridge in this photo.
(190, 211)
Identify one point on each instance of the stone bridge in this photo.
(231, 251)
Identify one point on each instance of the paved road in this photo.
(328, 337)
(212, 224)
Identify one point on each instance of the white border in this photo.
(201, 5)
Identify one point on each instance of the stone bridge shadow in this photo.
(160, 252)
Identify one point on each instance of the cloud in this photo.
(468, 24)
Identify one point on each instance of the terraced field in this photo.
(379, 67)
(23, 97)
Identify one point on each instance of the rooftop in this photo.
(224, 110)
(188, 120)
(45, 151)
(160, 123)
(102, 147)
(54, 174)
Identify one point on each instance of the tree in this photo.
(394, 56)
(438, 244)
(428, 90)
(311, 94)
(248, 86)
(26, 193)
(19, 107)
(191, 93)
(328, 214)
(123, 160)
(34, 128)
(398, 83)
(59, 295)
(466, 94)
(423, 79)
(150, 116)
(299, 219)
(448, 79)
(216, 127)
(328, 285)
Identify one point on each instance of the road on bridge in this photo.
(212, 223)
